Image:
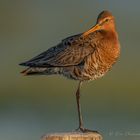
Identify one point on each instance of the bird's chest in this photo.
(98, 63)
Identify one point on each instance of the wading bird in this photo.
(83, 57)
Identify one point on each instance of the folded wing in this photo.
(71, 51)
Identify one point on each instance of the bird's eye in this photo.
(107, 20)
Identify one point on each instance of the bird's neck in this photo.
(111, 33)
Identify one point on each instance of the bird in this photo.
(83, 57)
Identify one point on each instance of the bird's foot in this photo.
(85, 130)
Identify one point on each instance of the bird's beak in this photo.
(94, 28)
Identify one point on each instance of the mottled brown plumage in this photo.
(86, 56)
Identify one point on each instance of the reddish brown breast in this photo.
(105, 55)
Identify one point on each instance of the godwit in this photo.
(83, 57)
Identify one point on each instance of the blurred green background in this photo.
(33, 106)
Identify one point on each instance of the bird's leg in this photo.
(81, 127)
(79, 107)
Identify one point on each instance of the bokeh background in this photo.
(33, 106)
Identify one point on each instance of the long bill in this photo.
(94, 28)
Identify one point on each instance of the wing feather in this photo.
(71, 51)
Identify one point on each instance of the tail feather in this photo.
(33, 71)
(42, 71)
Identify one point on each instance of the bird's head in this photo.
(105, 21)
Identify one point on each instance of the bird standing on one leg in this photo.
(83, 57)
